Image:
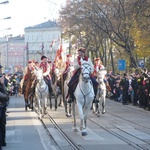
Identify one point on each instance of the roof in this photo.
(48, 24)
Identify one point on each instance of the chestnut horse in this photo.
(28, 91)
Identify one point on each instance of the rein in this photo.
(42, 91)
(85, 95)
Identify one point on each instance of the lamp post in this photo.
(4, 2)
(6, 18)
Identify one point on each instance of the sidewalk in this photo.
(23, 130)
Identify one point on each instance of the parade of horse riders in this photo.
(75, 75)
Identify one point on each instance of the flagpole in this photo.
(42, 48)
(27, 48)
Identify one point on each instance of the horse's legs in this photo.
(50, 101)
(56, 97)
(61, 104)
(30, 98)
(103, 105)
(45, 107)
(68, 108)
(26, 104)
(84, 120)
(39, 109)
(74, 117)
(82, 117)
(98, 108)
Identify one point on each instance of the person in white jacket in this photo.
(75, 78)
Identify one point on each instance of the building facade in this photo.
(12, 53)
(42, 39)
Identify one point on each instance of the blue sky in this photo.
(26, 13)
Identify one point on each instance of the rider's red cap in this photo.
(69, 55)
(82, 49)
(29, 61)
(96, 59)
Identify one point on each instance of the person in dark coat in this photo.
(135, 89)
(125, 86)
(4, 97)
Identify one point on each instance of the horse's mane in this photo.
(85, 63)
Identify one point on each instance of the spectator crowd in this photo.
(131, 88)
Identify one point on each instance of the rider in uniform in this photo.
(46, 72)
(75, 78)
(97, 66)
(67, 64)
(27, 71)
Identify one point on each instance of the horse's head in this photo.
(57, 72)
(101, 75)
(85, 70)
(39, 73)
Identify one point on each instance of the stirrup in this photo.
(95, 100)
(70, 100)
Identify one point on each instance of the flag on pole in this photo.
(58, 58)
(42, 46)
(52, 44)
(26, 47)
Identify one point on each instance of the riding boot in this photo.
(23, 88)
(95, 92)
(71, 96)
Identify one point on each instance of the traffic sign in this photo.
(141, 63)
(121, 64)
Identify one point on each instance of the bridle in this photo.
(85, 70)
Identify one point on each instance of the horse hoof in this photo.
(75, 130)
(98, 115)
(84, 133)
(55, 109)
(103, 112)
(68, 115)
(39, 118)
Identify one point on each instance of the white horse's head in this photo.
(85, 70)
(101, 75)
(39, 73)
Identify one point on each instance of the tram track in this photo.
(128, 120)
(129, 142)
(112, 129)
(71, 143)
(117, 117)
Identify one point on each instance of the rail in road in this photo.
(121, 127)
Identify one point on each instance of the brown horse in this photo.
(28, 90)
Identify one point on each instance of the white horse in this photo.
(57, 90)
(101, 93)
(41, 93)
(68, 106)
(84, 95)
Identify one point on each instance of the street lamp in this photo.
(5, 29)
(5, 2)
(6, 18)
